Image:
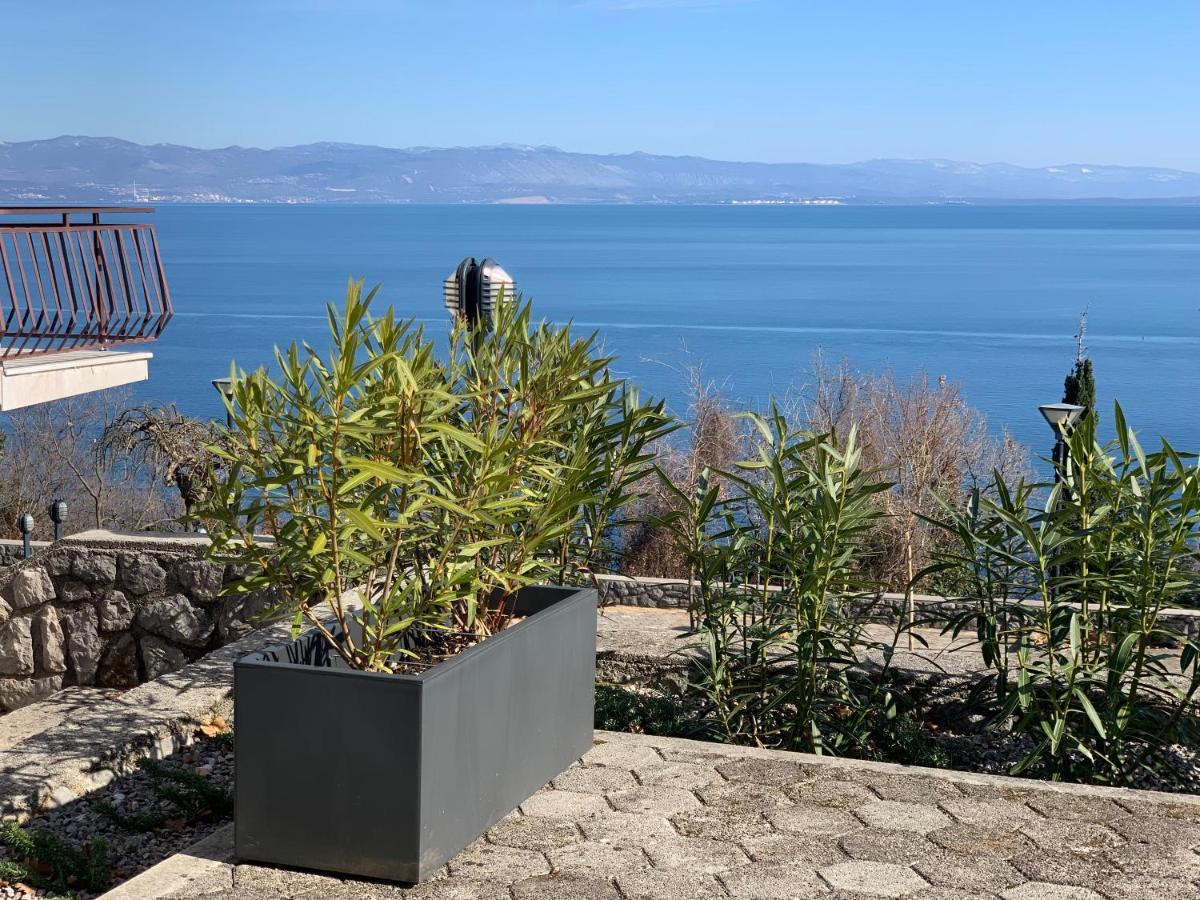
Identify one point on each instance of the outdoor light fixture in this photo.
(58, 515)
(224, 387)
(25, 526)
(473, 291)
(1061, 416)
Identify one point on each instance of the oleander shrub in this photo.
(781, 602)
(429, 486)
(1068, 583)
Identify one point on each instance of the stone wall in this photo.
(667, 593)
(112, 610)
(12, 552)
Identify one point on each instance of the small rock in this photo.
(74, 592)
(31, 587)
(176, 619)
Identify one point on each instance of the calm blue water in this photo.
(986, 296)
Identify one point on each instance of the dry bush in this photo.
(925, 439)
(713, 441)
(57, 451)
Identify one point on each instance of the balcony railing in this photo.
(67, 284)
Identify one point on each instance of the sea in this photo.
(988, 296)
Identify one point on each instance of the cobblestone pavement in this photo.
(645, 817)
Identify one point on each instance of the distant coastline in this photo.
(110, 170)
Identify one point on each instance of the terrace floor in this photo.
(649, 817)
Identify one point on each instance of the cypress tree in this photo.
(1079, 387)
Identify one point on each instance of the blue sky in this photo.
(1054, 81)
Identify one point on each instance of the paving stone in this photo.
(919, 817)
(914, 788)
(1134, 887)
(779, 773)
(837, 794)
(1176, 811)
(1040, 890)
(655, 799)
(981, 841)
(559, 885)
(998, 790)
(782, 881)
(711, 758)
(564, 805)
(797, 849)
(628, 829)
(971, 873)
(721, 826)
(1077, 837)
(594, 779)
(534, 833)
(874, 879)
(484, 861)
(1161, 862)
(1158, 832)
(438, 889)
(688, 776)
(743, 798)
(991, 813)
(668, 885)
(696, 854)
(1065, 868)
(597, 860)
(813, 820)
(884, 845)
(1076, 808)
(606, 753)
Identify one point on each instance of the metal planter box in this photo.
(388, 776)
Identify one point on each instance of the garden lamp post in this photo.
(473, 292)
(25, 526)
(224, 387)
(1062, 418)
(58, 515)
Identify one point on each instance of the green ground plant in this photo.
(433, 486)
(1068, 596)
(48, 862)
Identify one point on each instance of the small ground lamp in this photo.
(1062, 418)
(25, 525)
(473, 291)
(58, 515)
(224, 387)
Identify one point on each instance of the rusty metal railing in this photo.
(70, 285)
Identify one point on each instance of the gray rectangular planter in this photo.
(388, 776)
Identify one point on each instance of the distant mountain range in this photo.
(87, 169)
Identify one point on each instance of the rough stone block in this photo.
(159, 657)
(83, 643)
(6, 611)
(118, 666)
(94, 568)
(141, 574)
(58, 563)
(49, 641)
(114, 610)
(31, 586)
(175, 619)
(72, 591)
(18, 692)
(16, 647)
(200, 579)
